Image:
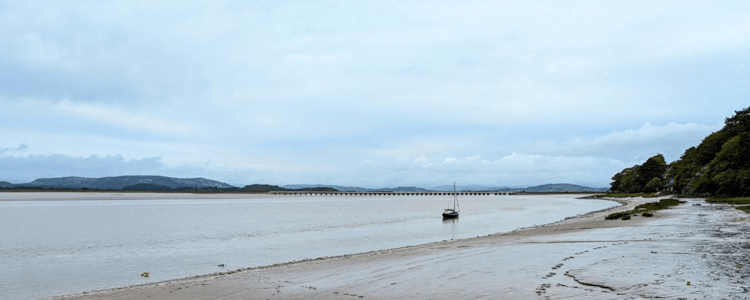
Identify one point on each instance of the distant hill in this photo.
(163, 183)
(468, 188)
(337, 187)
(561, 188)
(401, 189)
(146, 187)
(546, 188)
(264, 188)
(119, 182)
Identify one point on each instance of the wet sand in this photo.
(580, 258)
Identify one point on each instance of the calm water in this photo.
(61, 247)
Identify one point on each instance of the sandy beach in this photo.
(688, 252)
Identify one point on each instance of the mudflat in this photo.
(690, 251)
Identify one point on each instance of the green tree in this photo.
(654, 167)
(629, 184)
(719, 165)
(683, 171)
(738, 123)
(729, 173)
(655, 184)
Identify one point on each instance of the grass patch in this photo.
(645, 209)
(734, 201)
(628, 195)
(662, 204)
(740, 200)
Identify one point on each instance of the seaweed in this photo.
(627, 195)
(645, 209)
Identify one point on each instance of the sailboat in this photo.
(452, 213)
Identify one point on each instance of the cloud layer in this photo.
(368, 92)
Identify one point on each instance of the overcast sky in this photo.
(366, 93)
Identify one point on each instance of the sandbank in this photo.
(690, 251)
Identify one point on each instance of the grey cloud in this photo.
(301, 92)
(20, 147)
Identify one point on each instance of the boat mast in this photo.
(455, 198)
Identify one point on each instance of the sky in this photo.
(364, 93)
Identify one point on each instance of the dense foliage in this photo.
(645, 178)
(719, 166)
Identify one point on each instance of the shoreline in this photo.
(625, 204)
(690, 251)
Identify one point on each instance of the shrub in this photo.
(742, 200)
(619, 215)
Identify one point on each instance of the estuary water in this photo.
(58, 245)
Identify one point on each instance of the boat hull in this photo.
(450, 215)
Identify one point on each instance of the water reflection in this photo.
(451, 224)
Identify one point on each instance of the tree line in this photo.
(718, 166)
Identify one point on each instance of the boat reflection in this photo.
(451, 225)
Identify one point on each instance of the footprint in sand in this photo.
(543, 288)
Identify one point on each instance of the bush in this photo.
(662, 204)
(619, 215)
(741, 200)
(629, 195)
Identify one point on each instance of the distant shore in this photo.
(671, 255)
(28, 195)
(126, 195)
